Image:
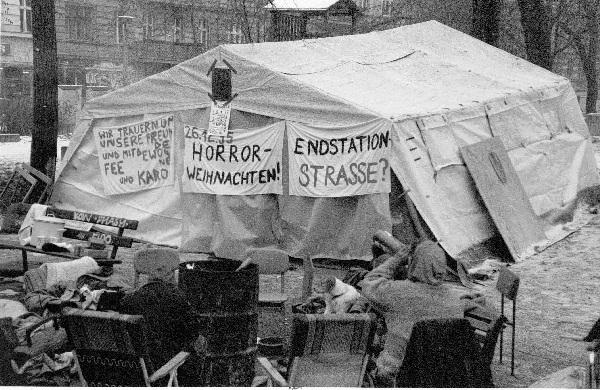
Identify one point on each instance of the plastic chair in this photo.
(147, 260)
(326, 351)
(271, 262)
(111, 349)
(508, 286)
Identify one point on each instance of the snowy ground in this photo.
(19, 151)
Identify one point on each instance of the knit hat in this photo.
(428, 264)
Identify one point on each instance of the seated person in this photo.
(422, 295)
(171, 323)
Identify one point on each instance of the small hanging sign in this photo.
(218, 123)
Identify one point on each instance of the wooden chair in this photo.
(508, 286)
(326, 351)
(592, 378)
(111, 349)
(14, 353)
(487, 327)
(443, 353)
(147, 260)
(8, 342)
(34, 177)
(271, 262)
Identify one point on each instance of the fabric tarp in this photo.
(441, 90)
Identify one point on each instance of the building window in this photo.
(364, 5)
(149, 26)
(202, 32)
(123, 26)
(178, 29)
(234, 35)
(27, 82)
(386, 8)
(121, 29)
(25, 15)
(78, 22)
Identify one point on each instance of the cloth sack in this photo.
(12, 309)
(68, 270)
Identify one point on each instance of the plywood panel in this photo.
(504, 196)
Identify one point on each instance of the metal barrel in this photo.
(227, 304)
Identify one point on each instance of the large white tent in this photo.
(435, 88)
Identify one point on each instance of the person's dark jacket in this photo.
(172, 325)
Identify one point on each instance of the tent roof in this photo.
(410, 71)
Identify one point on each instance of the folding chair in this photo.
(147, 260)
(111, 349)
(326, 351)
(508, 286)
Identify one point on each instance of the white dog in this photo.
(339, 296)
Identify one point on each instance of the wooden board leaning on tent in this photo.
(504, 196)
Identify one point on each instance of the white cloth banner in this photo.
(245, 162)
(136, 156)
(339, 161)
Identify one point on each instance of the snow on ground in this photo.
(19, 151)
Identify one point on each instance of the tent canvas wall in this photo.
(434, 88)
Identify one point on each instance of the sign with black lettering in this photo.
(245, 162)
(137, 156)
(335, 162)
(218, 123)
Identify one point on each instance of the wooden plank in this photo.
(26, 175)
(504, 196)
(477, 324)
(93, 218)
(109, 239)
(36, 173)
(16, 245)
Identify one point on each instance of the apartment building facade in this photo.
(109, 43)
(103, 45)
(16, 51)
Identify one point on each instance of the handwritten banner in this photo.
(336, 162)
(245, 162)
(137, 156)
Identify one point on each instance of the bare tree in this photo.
(535, 19)
(580, 28)
(486, 21)
(45, 88)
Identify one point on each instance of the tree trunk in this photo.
(486, 20)
(591, 70)
(246, 20)
(535, 20)
(45, 88)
